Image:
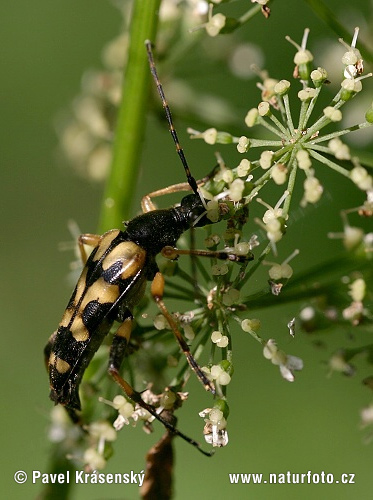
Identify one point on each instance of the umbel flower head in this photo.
(301, 144)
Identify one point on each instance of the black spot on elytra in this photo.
(93, 313)
(112, 274)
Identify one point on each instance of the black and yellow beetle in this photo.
(113, 280)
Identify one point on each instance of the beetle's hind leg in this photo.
(117, 353)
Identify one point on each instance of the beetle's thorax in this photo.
(159, 228)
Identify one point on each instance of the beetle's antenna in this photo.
(191, 180)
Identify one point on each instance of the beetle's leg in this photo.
(173, 253)
(147, 204)
(157, 289)
(91, 240)
(117, 354)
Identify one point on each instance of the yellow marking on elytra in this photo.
(131, 256)
(59, 364)
(102, 291)
(79, 331)
(66, 318)
(105, 241)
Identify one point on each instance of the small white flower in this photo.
(102, 430)
(215, 427)
(319, 75)
(338, 363)
(307, 94)
(352, 85)
(217, 373)
(188, 332)
(221, 376)
(219, 339)
(264, 108)
(249, 325)
(366, 415)
(352, 236)
(243, 168)
(312, 190)
(227, 175)
(279, 173)
(361, 178)
(213, 213)
(161, 323)
(273, 219)
(341, 151)
(251, 117)
(354, 312)
(335, 115)
(352, 58)
(242, 248)
(215, 23)
(282, 87)
(93, 459)
(210, 135)
(266, 159)
(357, 290)
(236, 190)
(279, 271)
(304, 160)
(243, 144)
(287, 363)
(61, 425)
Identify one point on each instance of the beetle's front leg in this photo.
(147, 204)
(91, 240)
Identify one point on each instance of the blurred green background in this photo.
(313, 424)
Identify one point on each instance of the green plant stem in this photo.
(249, 14)
(289, 118)
(329, 163)
(130, 127)
(59, 464)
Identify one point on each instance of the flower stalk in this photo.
(129, 132)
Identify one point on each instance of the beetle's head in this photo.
(194, 211)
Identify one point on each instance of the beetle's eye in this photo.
(195, 213)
